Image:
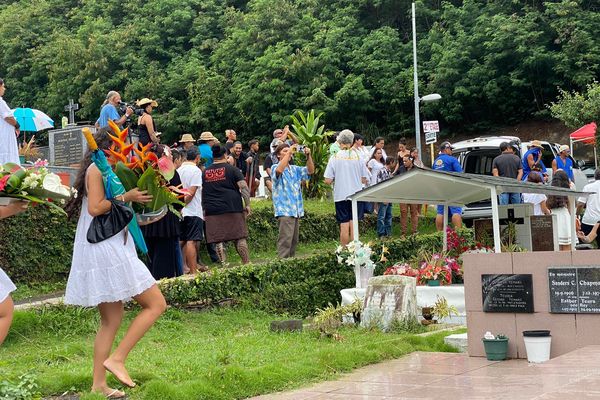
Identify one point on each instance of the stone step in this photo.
(458, 341)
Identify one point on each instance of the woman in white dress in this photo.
(9, 130)
(558, 206)
(6, 285)
(108, 273)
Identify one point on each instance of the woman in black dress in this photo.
(146, 128)
(162, 237)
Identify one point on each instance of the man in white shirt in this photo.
(192, 226)
(348, 174)
(592, 206)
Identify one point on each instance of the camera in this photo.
(300, 148)
(136, 110)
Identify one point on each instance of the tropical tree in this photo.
(576, 109)
(315, 137)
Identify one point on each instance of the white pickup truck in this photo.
(476, 157)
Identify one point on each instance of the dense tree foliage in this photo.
(248, 65)
(577, 109)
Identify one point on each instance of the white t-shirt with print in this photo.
(191, 176)
(347, 170)
(592, 204)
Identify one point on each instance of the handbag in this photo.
(108, 225)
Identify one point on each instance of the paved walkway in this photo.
(450, 376)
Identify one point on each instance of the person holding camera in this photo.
(110, 111)
(146, 130)
(287, 195)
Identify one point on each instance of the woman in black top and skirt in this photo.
(162, 236)
(226, 204)
(146, 129)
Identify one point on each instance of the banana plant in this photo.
(309, 133)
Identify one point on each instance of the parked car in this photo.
(477, 155)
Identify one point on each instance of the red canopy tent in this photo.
(585, 134)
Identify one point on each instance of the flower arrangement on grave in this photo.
(35, 184)
(358, 255)
(403, 269)
(139, 167)
(434, 268)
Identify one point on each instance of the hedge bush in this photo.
(293, 286)
(37, 246)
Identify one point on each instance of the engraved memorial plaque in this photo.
(66, 146)
(574, 290)
(563, 290)
(542, 237)
(507, 293)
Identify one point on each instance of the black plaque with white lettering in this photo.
(68, 146)
(588, 283)
(508, 293)
(574, 289)
(563, 290)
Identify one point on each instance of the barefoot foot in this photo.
(108, 392)
(119, 371)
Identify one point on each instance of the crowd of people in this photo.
(219, 180)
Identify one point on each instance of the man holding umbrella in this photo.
(9, 130)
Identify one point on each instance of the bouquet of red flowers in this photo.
(139, 167)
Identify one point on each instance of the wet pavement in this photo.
(450, 376)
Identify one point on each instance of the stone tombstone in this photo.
(67, 146)
(389, 298)
(507, 293)
(574, 289)
(542, 233)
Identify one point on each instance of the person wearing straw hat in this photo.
(564, 162)
(146, 129)
(532, 160)
(187, 142)
(207, 141)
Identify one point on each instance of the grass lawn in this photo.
(220, 354)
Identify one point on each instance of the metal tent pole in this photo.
(573, 216)
(355, 233)
(495, 220)
(445, 243)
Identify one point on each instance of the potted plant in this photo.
(434, 270)
(442, 309)
(496, 347)
(427, 313)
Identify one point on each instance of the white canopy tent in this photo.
(425, 186)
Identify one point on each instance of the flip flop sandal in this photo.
(116, 394)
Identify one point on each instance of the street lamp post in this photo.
(416, 84)
(429, 97)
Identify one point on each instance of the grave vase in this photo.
(362, 276)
